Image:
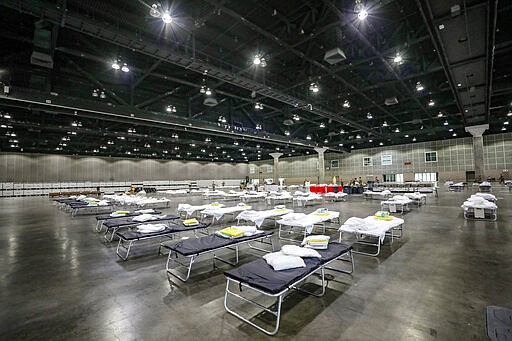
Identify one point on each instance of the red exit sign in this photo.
(407, 163)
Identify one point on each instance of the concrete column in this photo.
(276, 166)
(321, 164)
(478, 149)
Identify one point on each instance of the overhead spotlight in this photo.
(235, 143)
(421, 128)
(322, 125)
(370, 140)
(352, 146)
(342, 131)
(406, 135)
(414, 139)
(287, 132)
(505, 123)
(358, 136)
(263, 62)
(258, 126)
(95, 93)
(313, 87)
(346, 104)
(258, 106)
(154, 12)
(222, 119)
(208, 92)
(454, 134)
(445, 123)
(450, 130)
(397, 130)
(509, 113)
(504, 128)
(115, 65)
(419, 86)
(7, 115)
(176, 148)
(459, 84)
(207, 139)
(398, 59)
(369, 116)
(256, 60)
(257, 146)
(203, 89)
(385, 124)
(170, 108)
(125, 68)
(360, 10)
(326, 140)
(166, 17)
(102, 95)
(431, 103)
(381, 143)
(440, 114)
(308, 137)
(296, 117)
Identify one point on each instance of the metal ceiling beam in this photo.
(492, 19)
(428, 20)
(146, 73)
(301, 55)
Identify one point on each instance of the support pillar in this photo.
(321, 164)
(276, 166)
(478, 149)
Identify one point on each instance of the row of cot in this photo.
(256, 275)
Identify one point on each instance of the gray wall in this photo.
(24, 167)
(455, 157)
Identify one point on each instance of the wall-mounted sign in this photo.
(386, 159)
(407, 163)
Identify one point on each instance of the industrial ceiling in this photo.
(226, 80)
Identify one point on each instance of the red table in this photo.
(325, 188)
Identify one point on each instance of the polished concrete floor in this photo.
(60, 281)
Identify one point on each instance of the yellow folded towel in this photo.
(322, 214)
(232, 232)
(190, 222)
(389, 217)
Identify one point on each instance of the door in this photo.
(470, 176)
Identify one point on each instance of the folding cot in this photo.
(457, 187)
(485, 186)
(303, 200)
(487, 196)
(116, 224)
(252, 196)
(170, 229)
(209, 195)
(417, 198)
(373, 227)
(100, 219)
(339, 196)
(275, 198)
(218, 212)
(398, 203)
(93, 207)
(259, 277)
(189, 210)
(153, 203)
(257, 217)
(305, 221)
(480, 209)
(194, 247)
(233, 195)
(385, 194)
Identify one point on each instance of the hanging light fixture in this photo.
(369, 116)
(419, 87)
(308, 137)
(95, 93)
(258, 126)
(398, 59)
(258, 106)
(102, 95)
(115, 65)
(287, 132)
(256, 60)
(346, 104)
(154, 12)
(170, 108)
(431, 103)
(385, 124)
(322, 125)
(125, 68)
(166, 17)
(445, 123)
(208, 92)
(360, 10)
(296, 117)
(313, 87)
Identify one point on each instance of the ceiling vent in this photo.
(334, 56)
(210, 102)
(391, 101)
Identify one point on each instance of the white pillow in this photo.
(294, 250)
(279, 261)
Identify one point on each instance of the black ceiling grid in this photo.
(56, 58)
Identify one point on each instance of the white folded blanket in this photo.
(279, 261)
(147, 217)
(148, 228)
(294, 250)
(150, 210)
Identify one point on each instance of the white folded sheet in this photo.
(147, 217)
(218, 212)
(148, 228)
(486, 196)
(307, 220)
(295, 250)
(257, 217)
(370, 226)
(190, 209)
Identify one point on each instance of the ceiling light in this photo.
(505, 123)
(322, 125)
(421, 128)
(170, 108)
(397, 130)
(115, 65)
(445, 123)
(258, 106)
(313, 87)
(257, 60)
(358, 136)
(454, 134)
(207, 139)
(95, 93)
(342, 131)
(176, 148)
(504, 128)
(346, 104)
(385, 124)
(431, 103)
(352, 146)
(308, 137)
(296, 117)
(287, 132)
(370, 140)
(414, 139)
(360, 10)
(102, 95)
(509, 113)
(326, 141)
(125, 68)
(154, 12)
(451, 129)
(208, 92)
(166, 17)
(440, 114)
(459, 84)
(398, 59)
(406, 135)
(369, 116)
(419, 86)
(381, 143)
(235, 143)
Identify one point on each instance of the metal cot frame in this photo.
(390, 233)
(74, 210)
(376, 195)
(399, 206)
(193, 258)
(490, 214)
(322, 224)
(121, 244)
(281, 295)
(133, 223)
